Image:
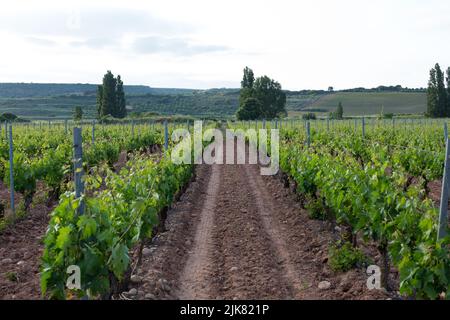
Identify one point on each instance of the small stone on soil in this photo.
(324, 285)
(132, 292)
(162, 284)
(135, 279)
(150, 296)
(146, 252)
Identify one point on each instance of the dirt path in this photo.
(196, 272)
(267, 209)
(247, 263)
(238, 235)
(236, 252)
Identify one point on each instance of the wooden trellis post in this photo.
(78, 166)
(166, 135)
(93, 132)
(363, 123)
(445, 131)
(11, 172)
(443, 210)
(308, 134)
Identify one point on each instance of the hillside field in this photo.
(356, 104)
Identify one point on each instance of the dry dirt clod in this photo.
(146, 252)
(324, 285)
(135, 279)
(149, 296)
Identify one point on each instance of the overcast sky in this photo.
(205, 44)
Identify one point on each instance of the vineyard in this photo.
(122, 202)
(378, 181)
(379, 187)
(349, 194)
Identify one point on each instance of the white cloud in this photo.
(302, 44)
(174, 46)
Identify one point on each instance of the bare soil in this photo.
(21, 249)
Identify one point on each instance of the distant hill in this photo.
(28, 90)
(43, 101)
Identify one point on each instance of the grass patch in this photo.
(12, 276)
(6, 219)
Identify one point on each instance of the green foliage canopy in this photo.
(260, 98)
(438, 104)
(111, 97)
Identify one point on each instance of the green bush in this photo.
(8, 116)
(309, 116)
(2, 208)
(317, 209)
(343, 257)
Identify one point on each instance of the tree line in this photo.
(438, 93)
(260, 98)
(111, 97)
(397, 88)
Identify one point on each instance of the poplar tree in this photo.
(121, 103)
(340, 111)
(109, 99)
(78, 114)
(448, 92)
(99, 100)
(248, 78)
(441, 92)
(432, 95)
